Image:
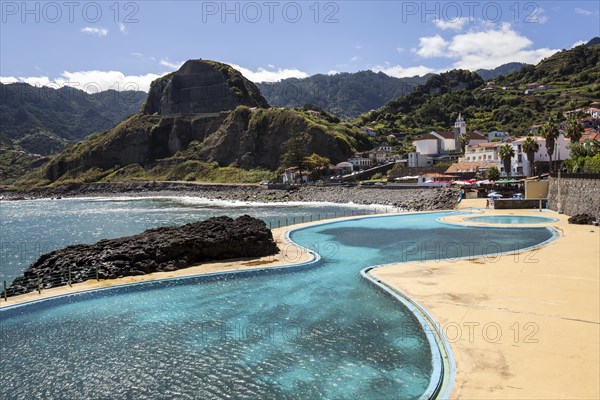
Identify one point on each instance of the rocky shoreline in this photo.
(155, 250)
(414, 199)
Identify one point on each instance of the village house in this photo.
(498, 135)
(361, 161)
(384, 148)
(345, 167)
(590, 122)
(519, 163)
(369, 131)
(442, 146)
(536, 87)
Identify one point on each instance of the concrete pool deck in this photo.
(523, 326)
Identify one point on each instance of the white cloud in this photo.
(136, 54)
(169, 64)
(455, 24)
(398, 71)
(400, 50)
(95, 31)
(539, 16)
(271, 66)
(263, 75)
(332, 72)
(487, 48)
(91, 81)
(8, 79)
(355, 58)
(578, 43)
(434, 46)
(582, 11)
(122, 27)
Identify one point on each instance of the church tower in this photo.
(460, 127)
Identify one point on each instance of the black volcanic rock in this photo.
(202, 87)
(155, 250)
(582, 219)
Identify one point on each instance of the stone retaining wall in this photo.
(579, 195)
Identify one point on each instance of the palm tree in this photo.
(574, 130)
(464, 140)
(530, 147)
(549, 131)
(506, 152)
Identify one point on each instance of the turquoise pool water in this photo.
(301, 333)
(510, 219)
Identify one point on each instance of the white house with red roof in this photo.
(438, 144)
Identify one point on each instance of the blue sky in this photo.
(93, 45)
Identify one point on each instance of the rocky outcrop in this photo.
(155, 250)
(582, 219)
(141, 139)
(209, 103)
(200, 87)
(250, 139)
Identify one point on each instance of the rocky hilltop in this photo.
(200, 87)
(155, 250)
(206, 115)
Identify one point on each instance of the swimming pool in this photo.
(510, 219)
(300, 333)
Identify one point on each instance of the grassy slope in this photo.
(573, 74)
(186, 165)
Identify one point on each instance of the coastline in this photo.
(417, 199)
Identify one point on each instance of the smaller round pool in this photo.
(510, 219)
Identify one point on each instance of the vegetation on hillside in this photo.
(347, 95)
(572, 75)
(69, 113)
(15, 161)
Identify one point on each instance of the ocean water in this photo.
(317, 333)
(31, 228)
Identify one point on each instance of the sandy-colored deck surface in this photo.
(520, 327)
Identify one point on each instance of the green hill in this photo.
(187, 133)
(571, 79)
(69, 113)
(346, 95)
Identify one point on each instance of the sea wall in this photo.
(417, 199)
(579, 194)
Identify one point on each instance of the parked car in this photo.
(264, 183)
(379, 184)
(517, 196)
